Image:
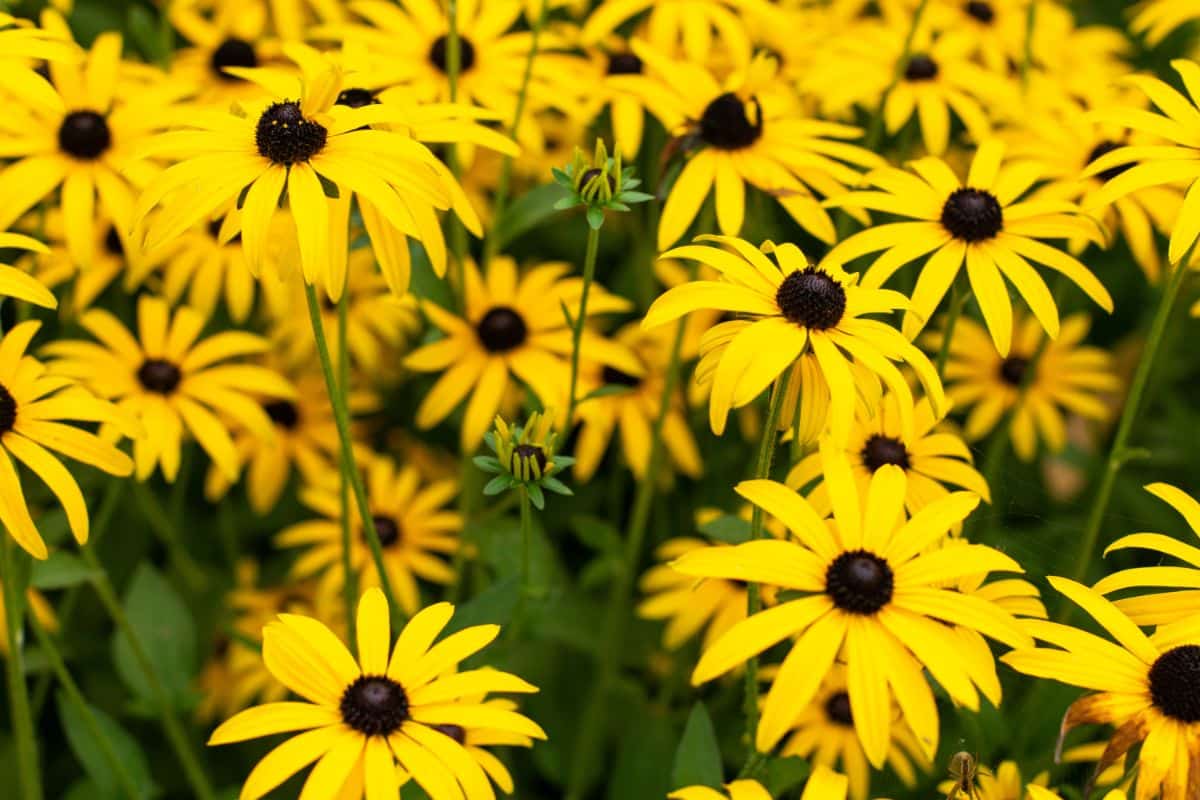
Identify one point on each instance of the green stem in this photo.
(15, 581)
(1119, 453)
(161, 524)
(591, 727)
(1027, 56)
(762, 469)
(176, 735)
(875, 131)
(349, 579)
(503, 185)
(589, 272)
(958, 299)
(59, 667)
(341, 418)
(457, 233)
(526, 542)
(66, 609)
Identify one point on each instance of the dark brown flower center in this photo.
(837, 709)
(726, 126)
(972, 215)
(1104, 148)
(615, 377)
(356, 98)
(8, 410)
(811, 298)
(283, 413)
(456, 732)
(439, 54)
(1175, 683)
(981, 11)
(624, 64)
(859, 582)
(387, 529)
(921, 68)
(374, 705)
(84, 135)
(534, 453)
(112, 242)
(284, 135)
(501, 329)
(1012, 370)
(159, 375)
(232, 52)
(880, 450)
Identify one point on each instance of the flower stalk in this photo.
(341, 418)
(349, 579)
(16, 578)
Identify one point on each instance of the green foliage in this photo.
(161, 620)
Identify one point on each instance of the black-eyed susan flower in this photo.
(1147, 687)
(513, 327)
(870, 592)
(220, 37)
(1006, 783)
(34, 405)
(1181, 598)
(303, 439)
(617, 402)
(17, 283)
(409, 43)
(1065, 139)
(366, 716)
(933, 457)
(171, 380)
(1068, 377)
(79, 135)
(299, 139)
(610, 58)
(699, 31)
(823, 733)
(1137, 166)
(525, 457)
(416, 531)
(983, 224)
(994, 29)
(791, 306)
(744, 132)
(204, 267)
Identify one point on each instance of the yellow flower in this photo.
(415, 531)
(788, 309)
(388, 707)
(1155, 19)
(688, 607)
(1147, 687)
(299, 138)
(870, 592)
(932, 457)
(1160, 607)
(221, 37)
(982, 224)
(823, 784)
(303, 436)
(632, 407)
(747, 133)
(34, 404)
(1068, 377)
(15, 282)
(823, 733)
(513, 327)
(79, 134)
(692, 30)
(1005, 783)
(171, 380)
(1137, 166)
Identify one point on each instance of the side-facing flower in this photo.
(34, 404)
(387, 708)
(791, 306)
(525, 458)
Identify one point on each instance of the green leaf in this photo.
(487, 463)
(527, 212)
(60, 571)
(493, 606)
(645, 748)
(597, 534)
(162, 623)
(698, 757)
(497, 485)
(535, 496)
(595, 218)
(556, 486)
(727, 528)
(92, 757)
(785, 774)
